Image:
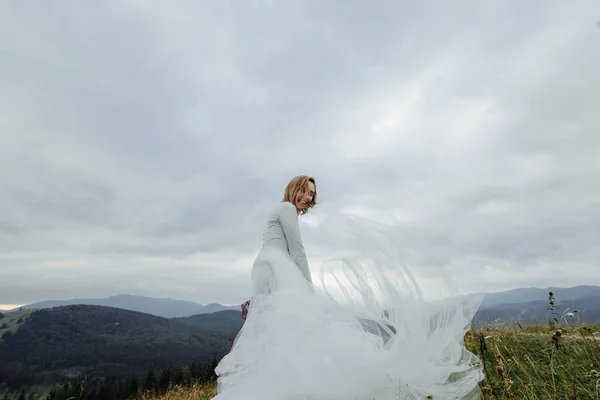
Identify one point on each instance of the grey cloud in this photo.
(110, 279)
(165, 131)
(62, 199)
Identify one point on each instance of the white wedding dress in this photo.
(367, 334)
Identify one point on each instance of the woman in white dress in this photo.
(378, 340)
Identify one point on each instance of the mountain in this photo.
(526, 306)
(50, 345)
(536, 312)
(168, 308)
(507, 304)
(530, 306)
(227, 322)
(215, 307)
(526, 295)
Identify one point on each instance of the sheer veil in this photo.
(368, 331)
(424, 338)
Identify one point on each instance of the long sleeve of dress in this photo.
(288, 218)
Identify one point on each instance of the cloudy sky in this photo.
(142, 144)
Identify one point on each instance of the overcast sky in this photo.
(142, 144)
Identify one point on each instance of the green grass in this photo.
(538, 362)
(524, 364)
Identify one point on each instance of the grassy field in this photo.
(539, 362)
(525, 364)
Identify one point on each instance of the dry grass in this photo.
(524, 364)
(195, 392)
(538, 362)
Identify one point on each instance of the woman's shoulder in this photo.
(287, 204)
(286, 207)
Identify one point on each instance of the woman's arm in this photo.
(288, 218)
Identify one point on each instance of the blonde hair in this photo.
(295, 186)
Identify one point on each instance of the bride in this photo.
(367, 334)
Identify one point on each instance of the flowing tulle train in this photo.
(366, 334)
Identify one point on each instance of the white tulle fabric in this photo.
(367, 334)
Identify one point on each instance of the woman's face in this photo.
(305, 196)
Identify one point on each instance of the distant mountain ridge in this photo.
(161, 307)
(526, 295)
(226, 322)
(524, 304)
(583, 310)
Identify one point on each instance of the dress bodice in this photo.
(283, 231)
